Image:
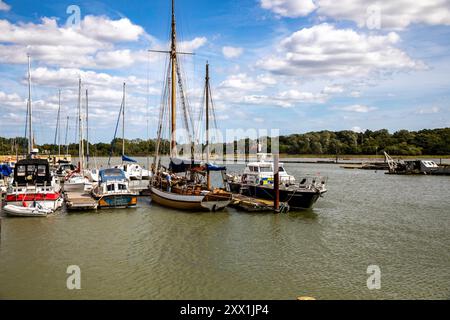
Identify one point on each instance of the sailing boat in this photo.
(77, 181)
(168, 188)
(138, 177)
(33, 186)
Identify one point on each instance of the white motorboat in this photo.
(77, 183)
(33, 182)
(34, 211)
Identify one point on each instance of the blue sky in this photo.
(292, 65)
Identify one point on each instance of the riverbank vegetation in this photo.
(430, 142)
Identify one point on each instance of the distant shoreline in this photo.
(285, 156)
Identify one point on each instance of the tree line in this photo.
(402, 142)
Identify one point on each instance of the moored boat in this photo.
(20, 211)
(258, 178)
(113, 190)
(186, 184)
(32, 183)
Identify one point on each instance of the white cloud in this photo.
(192, 45)
(355, 108)
(232, 52)
(333, 89)
(397, 14)
(4, 6)
(11, 101)
(68, 78)
(104, 29)
(356, 129)
(323, 50)
(289, 8)
(355, 94)
(242, 82)
(90, 46)
(428, 110)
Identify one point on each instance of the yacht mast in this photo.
(30, 111)
(67, 132)
(87, 130)
(58, 125)
(173, 58)
(123, 122)
(208, 177)
(80, 124)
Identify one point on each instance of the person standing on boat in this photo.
(169, 182)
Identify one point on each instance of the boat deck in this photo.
(80, 201)
(251, 204)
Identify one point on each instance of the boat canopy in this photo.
(213, 167)
(113, 174)
(5, 170)
(32, 171)
(182, 165)
(128, 159)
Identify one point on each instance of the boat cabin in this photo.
(262, 172)
(32, 171)
(113, 181)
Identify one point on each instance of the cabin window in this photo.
(31, 169)
(280, 169)
(266, 169)
(110, 187)
(21, 171)
(122, 187)
(41, 171)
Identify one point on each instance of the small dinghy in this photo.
(19, 211)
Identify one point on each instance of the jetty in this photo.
(80, 201)
(251, 204)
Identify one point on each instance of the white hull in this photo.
(19, 211)
(50, 205)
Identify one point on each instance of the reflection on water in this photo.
(150, 252)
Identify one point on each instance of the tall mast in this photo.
(173, 58)
(67, 132)
(123, 122)
(80, 124)
(30, 110)
(58, 125)
(208, 177)
(87, 130)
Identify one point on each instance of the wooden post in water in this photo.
(276, 183)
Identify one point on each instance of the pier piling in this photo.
(276, 183)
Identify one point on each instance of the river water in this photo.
(399, 223)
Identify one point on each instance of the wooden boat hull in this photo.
(188, 202)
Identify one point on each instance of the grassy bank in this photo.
(332, 156)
